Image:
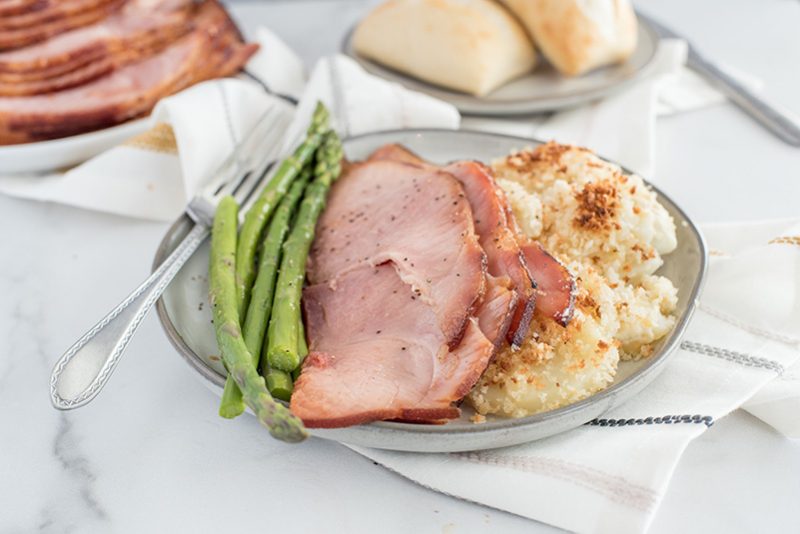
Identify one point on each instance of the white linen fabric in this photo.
(616, 470)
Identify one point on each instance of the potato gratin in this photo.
(610, 231)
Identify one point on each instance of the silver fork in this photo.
(86, 366)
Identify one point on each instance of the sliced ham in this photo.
(555, 284)
(48, 13)
(496, 310)
(404, 309)
(376, 352)
(395, 152)
(499, 241)
(19, 37)
(135, 49)
(126, 93)
(16, 7)
(418, 219)
(83, 74)
(139, 24)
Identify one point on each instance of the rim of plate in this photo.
(93, 135)
(480, 106)
(651, 364)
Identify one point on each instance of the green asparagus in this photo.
(260, 305)
(258, 216)
(302, 348)
(238, 361)
(283, 333)
(279, 383)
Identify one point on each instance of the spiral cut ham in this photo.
(26, 28)
(140, 26)
(14, 7)
(48, 11)
(213, 48)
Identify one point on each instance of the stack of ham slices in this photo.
(417, 275)
(74, 66)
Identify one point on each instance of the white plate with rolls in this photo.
(512, 57)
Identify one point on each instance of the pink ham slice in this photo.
(53, 10)
(496, 310)
(497, 239)
(139, 25)
(555, 284)
(376, 352)
(212, 51)
(418, 219)
(15, 7)
(11, 38)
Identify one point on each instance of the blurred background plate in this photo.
(186, 318)
(56, 154)
(544, 89)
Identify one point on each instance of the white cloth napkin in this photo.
(610, 476)
(777, 403)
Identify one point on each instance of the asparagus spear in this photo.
(260, 305)
(238, 361)
(283, 332)
(264, 206)
(281, 383)
(302, 348)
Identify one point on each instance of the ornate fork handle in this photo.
(86, 366)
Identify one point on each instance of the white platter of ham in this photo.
(58, 154)
(186, 318)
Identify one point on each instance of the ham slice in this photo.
(496, 310)
(126, 93)
(418, 219)
(555, 284)
(117, 53)
(81, 75)
(376, 352)
(18, 37)
(48, 12)
(404, 311)
(497, 239)
(139, 25)
(14, 7)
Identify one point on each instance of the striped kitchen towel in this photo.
(610, 475)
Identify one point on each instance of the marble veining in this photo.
(76, 466)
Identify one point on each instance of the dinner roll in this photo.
(579, 35)
(473, 46)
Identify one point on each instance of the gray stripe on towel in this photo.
(662, 420)
(733, 356)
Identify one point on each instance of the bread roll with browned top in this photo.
(579, 35)
(472, 46)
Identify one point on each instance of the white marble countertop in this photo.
(151, 455)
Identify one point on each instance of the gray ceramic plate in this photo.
(544, 89)
(187, 320)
